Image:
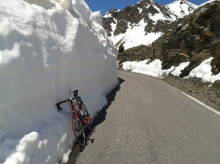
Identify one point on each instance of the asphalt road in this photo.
(149, 121)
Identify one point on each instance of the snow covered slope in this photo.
(181, 8)
(144, 22)
(135, 35)
(47, 50)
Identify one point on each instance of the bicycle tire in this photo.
(78, 130)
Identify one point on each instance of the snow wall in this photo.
(47, 50)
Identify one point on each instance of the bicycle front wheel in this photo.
(78, 130)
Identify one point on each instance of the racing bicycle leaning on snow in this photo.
(80, 118)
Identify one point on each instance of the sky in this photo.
(106, 5)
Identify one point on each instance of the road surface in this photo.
(149, 121)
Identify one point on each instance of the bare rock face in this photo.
(137, 53)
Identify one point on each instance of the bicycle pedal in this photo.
(88, 139)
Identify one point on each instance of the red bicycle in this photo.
(80, 117)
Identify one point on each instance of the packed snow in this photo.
(154, 69)
(181, 8)
(135, 36)
(47, 50)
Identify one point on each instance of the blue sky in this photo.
(106, 5)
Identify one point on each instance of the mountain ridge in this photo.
(141, 23)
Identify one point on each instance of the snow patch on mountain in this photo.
(160, 17)
(47, 50)
(135, 35)
(113, 26)
(181, 8)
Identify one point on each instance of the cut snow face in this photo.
(47, 50)
(154, 69)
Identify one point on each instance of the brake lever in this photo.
(58, 107)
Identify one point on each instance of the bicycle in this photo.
(80, 117)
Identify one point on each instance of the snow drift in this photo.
(47, 50)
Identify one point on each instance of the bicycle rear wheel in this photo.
(78, 130)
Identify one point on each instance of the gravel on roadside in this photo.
(206, 92)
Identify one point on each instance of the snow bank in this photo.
(154, 69)
(47, 50)
(204, 71)
(178, 70)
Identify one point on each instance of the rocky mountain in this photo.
(144, 22)
(194, 39)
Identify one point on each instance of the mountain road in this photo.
(148, 121)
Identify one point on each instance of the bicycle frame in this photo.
(73, 109)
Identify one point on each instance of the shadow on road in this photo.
(97, 120)
(110, 98)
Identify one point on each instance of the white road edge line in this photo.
(201, 103)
